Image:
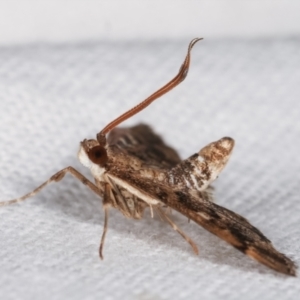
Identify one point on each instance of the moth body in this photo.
(134, 169)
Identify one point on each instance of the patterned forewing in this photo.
(142, 143)
(220, 221)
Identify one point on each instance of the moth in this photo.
(134, 169)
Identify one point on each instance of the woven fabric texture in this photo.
(52, 97)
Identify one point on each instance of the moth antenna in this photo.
(183, 71)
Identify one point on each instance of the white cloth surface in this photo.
(52, 97)
(77, 20)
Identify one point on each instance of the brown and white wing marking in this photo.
(196, 172)
(201, 169)
(141, 142)
(220, 221)
(234, 229)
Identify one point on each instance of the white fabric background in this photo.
(84, 20)
(52, 97)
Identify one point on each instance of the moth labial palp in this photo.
(134, 169)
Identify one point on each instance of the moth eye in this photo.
(98, 155)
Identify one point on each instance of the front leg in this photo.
(55, 178)
(107, 198)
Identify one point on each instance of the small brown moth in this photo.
(134, 169)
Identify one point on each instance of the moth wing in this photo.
(233, 228)
(207, 194)
(141, 142)
(222, 222)
(199, 170)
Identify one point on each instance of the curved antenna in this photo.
(183, 71)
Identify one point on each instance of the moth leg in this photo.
(176, 228)
(119, 202)
(151, 211)
(104, 232)
(106, 201)
(55, 178)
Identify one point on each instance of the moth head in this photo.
(92, 153)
